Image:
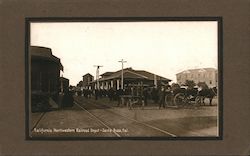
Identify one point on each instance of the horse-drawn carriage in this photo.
(183, 96)
(188, 97)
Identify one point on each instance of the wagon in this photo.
(182, 97)
(130, 100)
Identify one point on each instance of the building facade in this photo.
(86, 80)
(207, 75)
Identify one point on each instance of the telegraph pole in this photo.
(97, 75)
(122, 61)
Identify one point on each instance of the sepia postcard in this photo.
(124, 78)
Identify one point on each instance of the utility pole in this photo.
(122, 61)
(97, 75)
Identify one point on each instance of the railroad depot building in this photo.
(207, 75)
(131, 77)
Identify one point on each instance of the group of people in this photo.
(156, 94)
(161, 95)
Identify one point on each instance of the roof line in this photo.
(154, 74)
(137, 74)
(126, 70)
(196, 69)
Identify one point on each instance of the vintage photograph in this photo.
(124, 79)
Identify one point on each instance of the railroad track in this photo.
(108, 109)
(98, 119)
(142, 124)
(37, 122)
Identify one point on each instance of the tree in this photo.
(80, 84)
(203, 85)
(190, 84)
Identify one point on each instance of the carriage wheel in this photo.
(198, 100)
(168, 100)
(179, 99)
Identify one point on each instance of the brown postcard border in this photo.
(126, 19)
(236, 47)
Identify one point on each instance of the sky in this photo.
(164, 48)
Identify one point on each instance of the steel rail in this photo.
(96, 118)
(37, 122)
(145, 124)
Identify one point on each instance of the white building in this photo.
(207, 75)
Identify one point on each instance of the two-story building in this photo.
(207, 75)
(86, 79)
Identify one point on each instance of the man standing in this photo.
(145, 95)
(162, 94)
(96, 94)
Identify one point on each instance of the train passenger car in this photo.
(45, 73)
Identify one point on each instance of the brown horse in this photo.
(209, 93)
